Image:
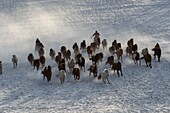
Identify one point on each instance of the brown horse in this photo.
(93, 69)
(42, 60)
(148, 60)
(36, 63)
(47, 72)
(93, 46)
(110, 60)
(58, 58)
(96, 58)
(119, 53)
(89, 51)
(83, 45)
(118, 67)
(38, 45)
(30, 58)
(130, 42)
(76, 73)
(136, 58)
(41, 52)
(157, 52)
(14, 61)
(52, 53)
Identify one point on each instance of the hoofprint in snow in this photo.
(57, 23)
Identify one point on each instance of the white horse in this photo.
(15, 61)
(71, 65)
(62, 75)
(104, 75)
(104, 43)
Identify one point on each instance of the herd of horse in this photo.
(76, 61)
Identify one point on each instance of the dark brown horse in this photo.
(118, 67)
(157, 52)
(36, 63)
(47, 72)
(76, 73)
(93, 69)
(30, 58)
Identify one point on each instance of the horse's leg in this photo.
(118, 73)
(103, 80)
(75, 77)
(139, 62)
(61, 80)
(150, 65)
(84, 68)
(78, 77)
(13, 65)
(44, 77)
(108, 80)
(159, 58)
(146, 63)
(121, 72)
(89, 73)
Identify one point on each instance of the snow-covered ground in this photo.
(63, 22)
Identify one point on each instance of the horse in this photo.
(14, 61)
(96, 58)
(111, 50)
(41, 52)
(104, 43)
(97, 41)
(63, 49)
(110, 60)
(83, 45)
(104, 75)
(93, 46)
(89, 51)
(36, 63)
(76, 73)
(116, 45)
(148, 60)
(119, 53)
(52, 53)
(30, 58)
(128, 51)
(136, 58)
(118, 67)
(71, 64)
(93, 69)
(67, 55)
(47, 72)
(81, 62)
(61, 65)
(58, 58)
(38, 45)
(130, 42)
(75, 46)
(157, 52)
(42, 60)
(62, 75)
(144, 51)
(135, 48)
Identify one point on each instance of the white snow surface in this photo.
(63, 22)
